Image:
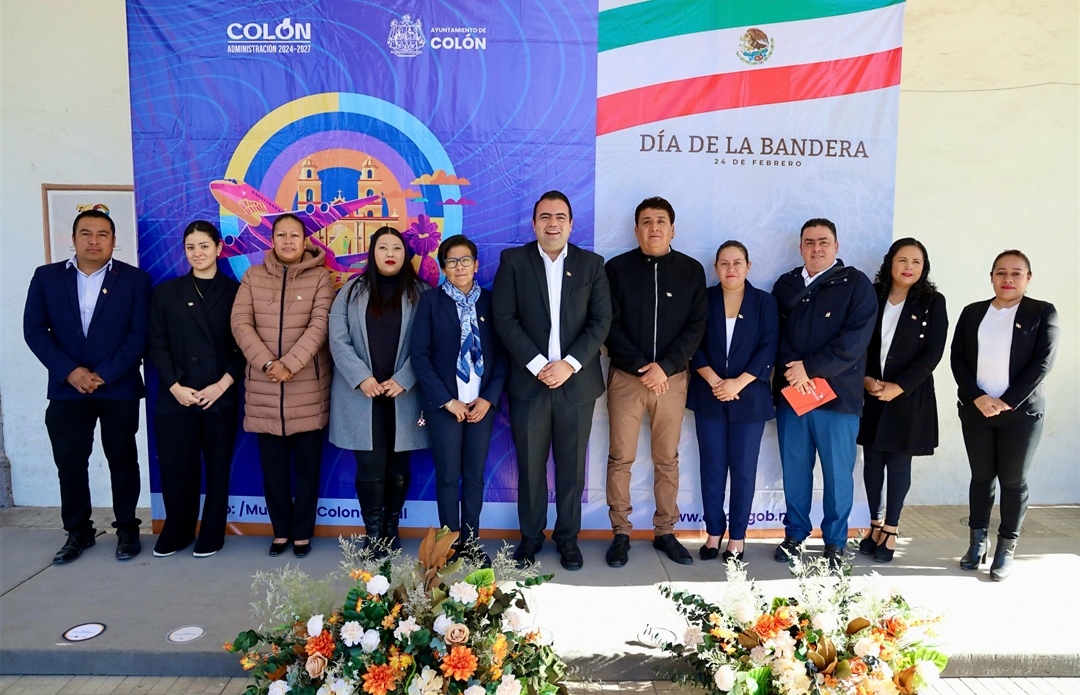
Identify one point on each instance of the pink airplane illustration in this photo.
(259, 212)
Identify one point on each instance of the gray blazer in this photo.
(350, 409)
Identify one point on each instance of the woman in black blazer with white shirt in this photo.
(899, 417)
(1002, 351)
(199, 365)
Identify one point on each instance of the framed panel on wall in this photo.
(61, 203)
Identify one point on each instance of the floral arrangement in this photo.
(830, 638)
(440, 625)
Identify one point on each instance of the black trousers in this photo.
(877, 466)
(1001, 450)
(185, 441)
(550, 424)
(382, 461)
(460, 451)
(71, 432)
(291, 518)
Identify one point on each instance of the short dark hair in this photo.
(288, 216)
(883, 281)
(819, 222)
(732, 244)
(206, 228)
(451, 242)
(554, 195)
(1011, 252)
(94, 214)
(654, 203)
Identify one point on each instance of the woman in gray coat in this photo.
(374, 402)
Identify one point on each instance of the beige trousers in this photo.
(628, 401)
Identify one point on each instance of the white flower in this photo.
(427, 683)
(441, 624)
(508, 686)
(826, 622)
(405, 628)
(692, 637)
(314, 625)
(783, 644)
(278, 688)
(724, 678)
(474, 690)
(790, 676)
(464, 593)
(744, 613)
(927, 671)
(515, 619)
(378, 585)
(759, 655)
(351, 632)
(341, 687)
(324, 689)
(867, 647)
(370, 641)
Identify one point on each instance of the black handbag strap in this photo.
(825, 275)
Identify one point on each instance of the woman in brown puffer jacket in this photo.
(280, 323)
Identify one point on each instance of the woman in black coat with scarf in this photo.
(899, 418)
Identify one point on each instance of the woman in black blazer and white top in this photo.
(899, 417)
(1001, 353)
(198, 365)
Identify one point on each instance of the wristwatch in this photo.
(267, 365)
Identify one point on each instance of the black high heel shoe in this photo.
(278, 548)
(707, 553)
(868, 544)
(882, 552)
(977, 549)
(737, 555)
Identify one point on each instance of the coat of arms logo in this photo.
(406, 38)
(755, 47)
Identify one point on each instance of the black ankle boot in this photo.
(371, 494)
(976, 553)
(1003, 559)
(396, 487)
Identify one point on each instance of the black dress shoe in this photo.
(671, 546)
(618, 553)
(789, 550)
(127, 543)
(729, 555)
(278, 548)
(301, 549)
(835, 556)
(74, 546)
(707, 553)
(525, 553)
(570, 556)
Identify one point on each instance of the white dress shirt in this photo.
(995, 346)
(89, 290)
(468, 391)
(889, 318)
(553, 269)
(806, 276)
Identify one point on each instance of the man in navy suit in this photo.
(86, 320)
(552, 312)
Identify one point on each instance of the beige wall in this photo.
(987, 161)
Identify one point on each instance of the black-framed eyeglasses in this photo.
(465, 261)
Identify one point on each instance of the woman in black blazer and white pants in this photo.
(198, 365)
(1001, 353)
(899, 417)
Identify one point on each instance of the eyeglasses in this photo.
(466, 262)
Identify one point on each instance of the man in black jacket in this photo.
(827, 315)
(658, 320)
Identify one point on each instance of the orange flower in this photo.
(323, 644)
(484, 594)
(785, 617)
(858, 667)
(495, 674)
(250, 661)
(764, 626)
(379, 679)
(400, 662)
(894, 627)
(499, 649)
(360, 575)
(460, 663)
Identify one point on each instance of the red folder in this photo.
(820, 394)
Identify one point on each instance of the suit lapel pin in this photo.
(828, 314)
(104, 290)
(668, 293)
(191, 303)
(299, 297)
(740, 316)
(481, 318)
(914, 317)
(568, 274)
(1018, 325)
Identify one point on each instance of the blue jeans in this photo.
(831, 436)
(728, 448)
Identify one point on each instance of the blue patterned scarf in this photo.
(470, 331)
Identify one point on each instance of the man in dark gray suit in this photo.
(552, 311)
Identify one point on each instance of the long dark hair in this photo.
(408, 282)
(883, 280)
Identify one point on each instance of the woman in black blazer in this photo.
(1001, 353)
(899, 417)
(729, 394)
(461, 369)
(198, 365)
